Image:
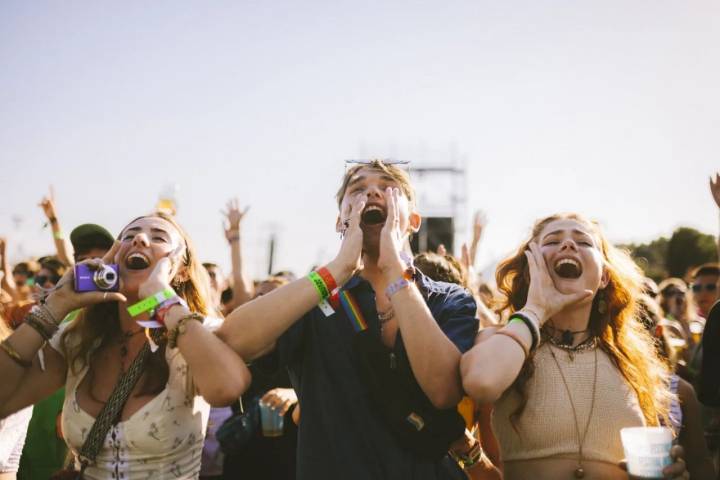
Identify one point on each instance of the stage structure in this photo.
(442, 201)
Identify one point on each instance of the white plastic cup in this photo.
(271, 420)
(647, 450)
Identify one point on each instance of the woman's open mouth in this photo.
(568, 268)
(137, 261)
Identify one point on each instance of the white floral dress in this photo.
(161, 441)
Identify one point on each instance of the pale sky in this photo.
(610, 108)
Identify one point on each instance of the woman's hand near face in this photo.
(64, 299)
(544, 299)
(162, 274)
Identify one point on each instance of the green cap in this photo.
(88, 236)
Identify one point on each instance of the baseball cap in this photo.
(90, 235)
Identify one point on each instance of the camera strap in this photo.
(110, 413)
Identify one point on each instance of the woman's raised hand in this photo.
(64, 299)
(544, 299)
(162, 274)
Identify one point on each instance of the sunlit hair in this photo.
(99, 324)
(5, 330)
(399, 175)
(621, 335)
(688, 307)
(441, 268)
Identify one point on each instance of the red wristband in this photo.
(327, 278)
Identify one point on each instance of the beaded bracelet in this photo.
(38, 320)
(181, 328)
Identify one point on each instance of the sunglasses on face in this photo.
(708, 287)
(43, 279)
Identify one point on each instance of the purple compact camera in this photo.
(105, 279)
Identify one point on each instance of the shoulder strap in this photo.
(112, 409)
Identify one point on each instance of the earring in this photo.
(602, 305)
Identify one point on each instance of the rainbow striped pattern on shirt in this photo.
(353, 311)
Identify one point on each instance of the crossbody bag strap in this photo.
(111, 410)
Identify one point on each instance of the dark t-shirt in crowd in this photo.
(340, 435)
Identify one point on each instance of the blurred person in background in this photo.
(680, 317)
(242, 286)
(271, 458)
(685, 411)
(13, 430)
(704, 287)
(478, 431)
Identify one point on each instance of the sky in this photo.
(609, 108)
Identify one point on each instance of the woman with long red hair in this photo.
(573, 365)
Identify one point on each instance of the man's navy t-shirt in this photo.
(340, 437)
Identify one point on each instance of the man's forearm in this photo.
(434, 359)
(253, 328)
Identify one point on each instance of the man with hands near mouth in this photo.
(425, 324)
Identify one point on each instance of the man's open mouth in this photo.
(568, 268)
(373, 215)
(137, 261)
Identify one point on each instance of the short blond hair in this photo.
(397, 174)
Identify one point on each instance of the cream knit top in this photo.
(547, 427)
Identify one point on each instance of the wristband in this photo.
(534, 329)
(164, 307)
(319, 285)
(327, 277)
(396, 286)
(149, 303)
(59, 235)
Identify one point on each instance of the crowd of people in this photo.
(125, 356)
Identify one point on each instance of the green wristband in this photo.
(151, 302)
(319, 285)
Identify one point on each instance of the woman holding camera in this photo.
(573, 365)
(136, 403)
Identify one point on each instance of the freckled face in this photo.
(572, 255)
(142, 244)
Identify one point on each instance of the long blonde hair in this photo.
(621, 335)
(100, 323)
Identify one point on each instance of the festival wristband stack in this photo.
(162, 309)
(149, 303)
(532, 325)
(323, 282)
